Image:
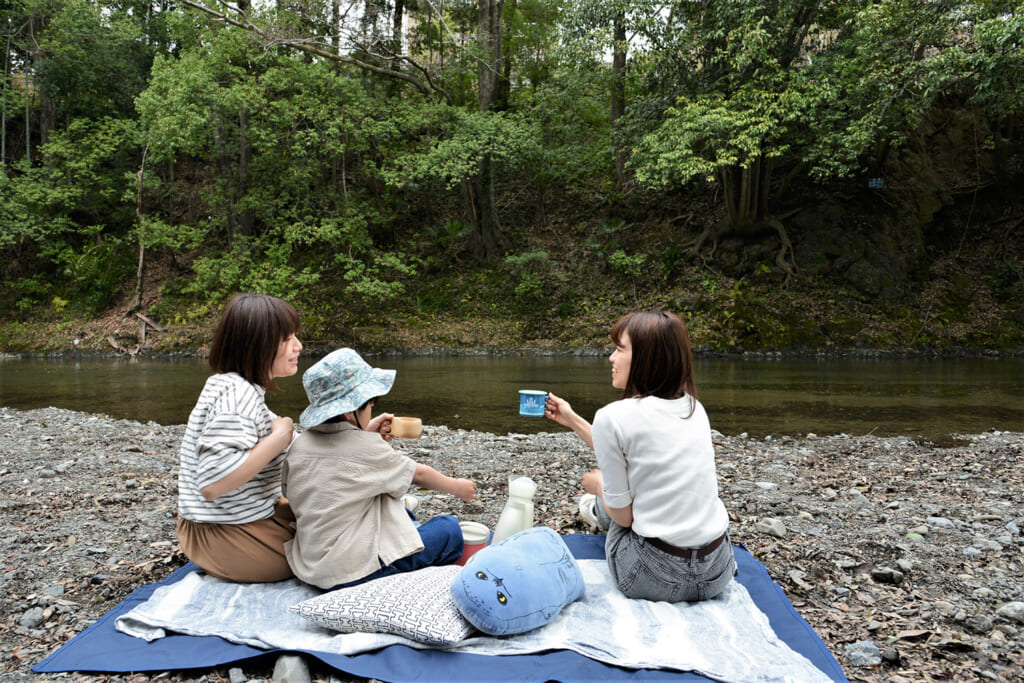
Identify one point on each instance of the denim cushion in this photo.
(519, 584)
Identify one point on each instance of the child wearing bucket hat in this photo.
(345, 484)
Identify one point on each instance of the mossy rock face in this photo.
(802, 332)
(845, 327)
(758, 326)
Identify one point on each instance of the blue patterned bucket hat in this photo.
(339, 383)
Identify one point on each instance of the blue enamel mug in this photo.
(531, 402)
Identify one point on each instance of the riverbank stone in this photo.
(863, 653)
(1013, 611)
(772, 527)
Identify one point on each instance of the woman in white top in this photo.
(656, 488)
(232, 519)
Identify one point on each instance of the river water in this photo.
(928, 399)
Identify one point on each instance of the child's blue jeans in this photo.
(442, 544)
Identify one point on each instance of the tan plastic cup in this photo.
(406, 427)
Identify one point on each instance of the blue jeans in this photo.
(642, 571)
(442, 544)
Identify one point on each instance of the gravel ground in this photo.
(906, 557)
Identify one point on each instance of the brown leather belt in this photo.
(687, 553)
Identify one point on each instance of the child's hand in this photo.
(382, 425)
(464, 489)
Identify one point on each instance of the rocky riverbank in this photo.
(906, 557)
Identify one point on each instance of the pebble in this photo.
(887, 575)
(1013, 611)
(32, 618)
(857, 497)
(978, 624)
(291, 669)
(863, 653)
(941, 522)
(772, 527)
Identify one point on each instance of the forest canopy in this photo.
(327, 151)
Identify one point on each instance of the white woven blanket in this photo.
(726, 639)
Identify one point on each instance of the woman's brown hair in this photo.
(250, 331)
(661, 361)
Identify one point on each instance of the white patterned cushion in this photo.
(415, 605)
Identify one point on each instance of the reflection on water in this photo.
(924, 398)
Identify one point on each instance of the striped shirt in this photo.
(230, 417)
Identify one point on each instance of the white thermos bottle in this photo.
(518, 513)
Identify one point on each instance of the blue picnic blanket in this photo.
(103, 648)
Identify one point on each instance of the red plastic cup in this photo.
(474, 538)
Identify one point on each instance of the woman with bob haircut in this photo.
(656, 489)
(232, 518)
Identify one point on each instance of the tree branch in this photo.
(243, 22)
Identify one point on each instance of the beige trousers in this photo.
(247, 553)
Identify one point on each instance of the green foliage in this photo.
(97, 271)
(27, 292)
(629, 266)
(449, 232)
(302, 194)
(272, 170)
(702, 137)
(60, 216)
(823, 84)
(368, 277)
(450, 144)
(530, 270)
(608, 236)
(87, 163)
(93, 60)
(570, 116)
(673, 261)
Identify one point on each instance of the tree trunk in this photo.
(619, 92)
(505, 82)
(488, 240)
(1001, 154)
(745, 193)
(3, 103)
(397, 34)
(489, 35)
(137, 303)
(336, 24)
(247, 219)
